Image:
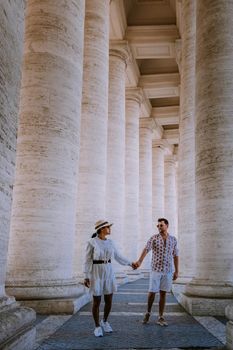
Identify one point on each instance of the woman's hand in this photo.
(87, 282)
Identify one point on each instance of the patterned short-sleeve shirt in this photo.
(162, 253)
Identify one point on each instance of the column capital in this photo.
(120, 48)
(146, 123)
(134, 94)
(170, 158)
(162, 143)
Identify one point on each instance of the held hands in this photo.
(136, 264)
(87, 282)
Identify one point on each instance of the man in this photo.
(164, 253)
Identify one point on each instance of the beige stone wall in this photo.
(11, 39)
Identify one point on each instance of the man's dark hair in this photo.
(163, 219)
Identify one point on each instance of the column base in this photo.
(198, 306)
(229, 327)
(52, 300)
(17, 331)
(48, 290)
(66, 306)
(206, 297)
(178, 287)
(184, 280)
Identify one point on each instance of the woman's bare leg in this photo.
(95, 309)
(107, 306)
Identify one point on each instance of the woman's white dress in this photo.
(102, 278)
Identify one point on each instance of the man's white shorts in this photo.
(160, 281)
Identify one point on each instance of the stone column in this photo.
(212, 288)
(170, 193)
(186, 154)
(131, 236)
(115, 197)
(93, 147)
(41, 248)
(157, 179)
(229, 327)
(145, 184)
(15, 321)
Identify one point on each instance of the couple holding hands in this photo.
(99, 275)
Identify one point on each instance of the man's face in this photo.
(162, 227)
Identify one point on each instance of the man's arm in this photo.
(142, 256)
(176, 264)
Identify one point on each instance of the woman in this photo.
(98, 273)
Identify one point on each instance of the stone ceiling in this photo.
(152, 30)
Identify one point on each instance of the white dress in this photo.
(102, 278)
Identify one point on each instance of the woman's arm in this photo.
(88, 262)
(120, 258)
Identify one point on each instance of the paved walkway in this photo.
(184, 331)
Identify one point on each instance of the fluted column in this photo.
(186, 155)
(11, 37)
(15, 321)
(229, 326)
(170, 193)
(214, 162)
(93, 147)
(157, 179)
(145, 183)
(131, 236)
(115, 197)
(45, 192)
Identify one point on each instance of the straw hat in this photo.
(102, 223)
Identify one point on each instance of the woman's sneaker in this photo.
(98, 332)
(161, 321)
(106, 327)
(146, 318)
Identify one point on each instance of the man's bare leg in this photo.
(150, 301)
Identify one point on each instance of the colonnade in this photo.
(85, 151)
(79, 156)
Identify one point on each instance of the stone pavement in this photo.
(129, 304)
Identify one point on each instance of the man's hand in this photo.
(134, 266)
(137, 264)
(175, 275)
(87, 282)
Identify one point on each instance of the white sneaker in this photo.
(98, 332)
(161, 321)
(106, 327)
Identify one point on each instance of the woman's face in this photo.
(106, 230)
